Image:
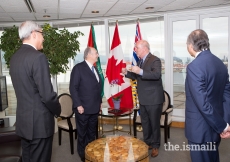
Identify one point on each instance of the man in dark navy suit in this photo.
(85, 88)
(207, 81)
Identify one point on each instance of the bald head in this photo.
(91, 55)
(142, 48)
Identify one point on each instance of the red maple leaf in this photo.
(113, 71)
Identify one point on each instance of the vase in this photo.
(116, 104)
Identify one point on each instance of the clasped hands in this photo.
(226, 133)
(134, 69)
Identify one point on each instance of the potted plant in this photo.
(59, 46)
(117, 100)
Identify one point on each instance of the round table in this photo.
(115, 148)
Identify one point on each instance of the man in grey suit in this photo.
(37, 103)
(85, 88)
(150, 93)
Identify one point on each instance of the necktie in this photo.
(141, 62)
(92, 69)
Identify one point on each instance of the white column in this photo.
(168, 57)
(106, 23)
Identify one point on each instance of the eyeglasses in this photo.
(40, 32)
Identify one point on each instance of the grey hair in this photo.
(87, 51)
(199, 40)
(26, 28)
(144, 43)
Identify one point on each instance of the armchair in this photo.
(10, 145)
(165, 121)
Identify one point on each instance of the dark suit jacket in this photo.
(149, 85)
(37, 103)
(205, 84)
(85, 89)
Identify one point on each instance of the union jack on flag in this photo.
(137, 38)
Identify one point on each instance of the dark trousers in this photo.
(208, 152)
(37, 150)
(86, 130)
(150, 121)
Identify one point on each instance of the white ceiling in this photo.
(17, 10)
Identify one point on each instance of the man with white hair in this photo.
(37, 103)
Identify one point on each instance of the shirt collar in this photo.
(89, 64)
(144, 57)
(30, 45)
(200, 52)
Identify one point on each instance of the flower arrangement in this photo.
(118, 97)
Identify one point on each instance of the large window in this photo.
(217, 30)
(181, 58)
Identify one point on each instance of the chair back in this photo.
(167, 102)
(66, 103)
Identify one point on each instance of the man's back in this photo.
(31, 81)
(205, 84)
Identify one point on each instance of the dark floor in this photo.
(62, 153)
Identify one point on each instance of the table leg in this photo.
(130, 124)
(114, 124)
(101, 126)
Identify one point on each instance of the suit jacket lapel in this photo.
(97, 74)
(146, 60)
(89, 71)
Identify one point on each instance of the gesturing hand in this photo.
(135, 69)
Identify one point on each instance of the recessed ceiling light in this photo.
(46, 16)
(149, 8)
(95, 11)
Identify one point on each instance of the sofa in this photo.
(10, 145)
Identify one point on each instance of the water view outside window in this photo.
(181, 58)
(217, 30)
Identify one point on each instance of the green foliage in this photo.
(118, 97)
(59, 46)
(10, 42)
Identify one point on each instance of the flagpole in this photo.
(118, 127)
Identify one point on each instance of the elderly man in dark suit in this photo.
(206, 84)
(37, 103)
(85, 88)
(150, 93)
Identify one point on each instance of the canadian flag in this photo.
(115, 82)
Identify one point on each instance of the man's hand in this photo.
(135, 69)
(226, 133)
(124, 71)
(80, 109)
